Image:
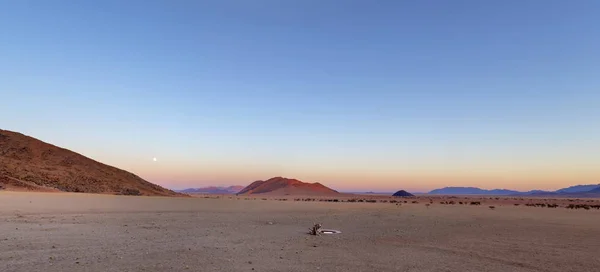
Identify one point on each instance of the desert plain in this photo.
(91, 232)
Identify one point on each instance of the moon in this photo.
(154, 159)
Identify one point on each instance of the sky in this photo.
(357, 95)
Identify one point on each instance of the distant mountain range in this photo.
(368, 193)
(582, 190)
(595, 191)
(579, 188)
(470, 191)
(213, 190)
(286, 186)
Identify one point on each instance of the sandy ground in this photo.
(81, 232)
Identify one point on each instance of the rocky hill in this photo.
(403, 193)
(30, 164)
(284, 186)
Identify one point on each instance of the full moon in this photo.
(154, 159)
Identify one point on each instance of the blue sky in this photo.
(354, 94)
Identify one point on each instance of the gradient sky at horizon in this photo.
(357, 95)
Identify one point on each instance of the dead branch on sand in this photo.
(315, 229)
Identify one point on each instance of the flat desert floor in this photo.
(82, 232)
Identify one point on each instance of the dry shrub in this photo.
(129, 191)
(579, 206)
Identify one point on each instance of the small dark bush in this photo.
(579, 206)
(128, 191)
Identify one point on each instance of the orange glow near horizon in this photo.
(420, 181)
(547, 169)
